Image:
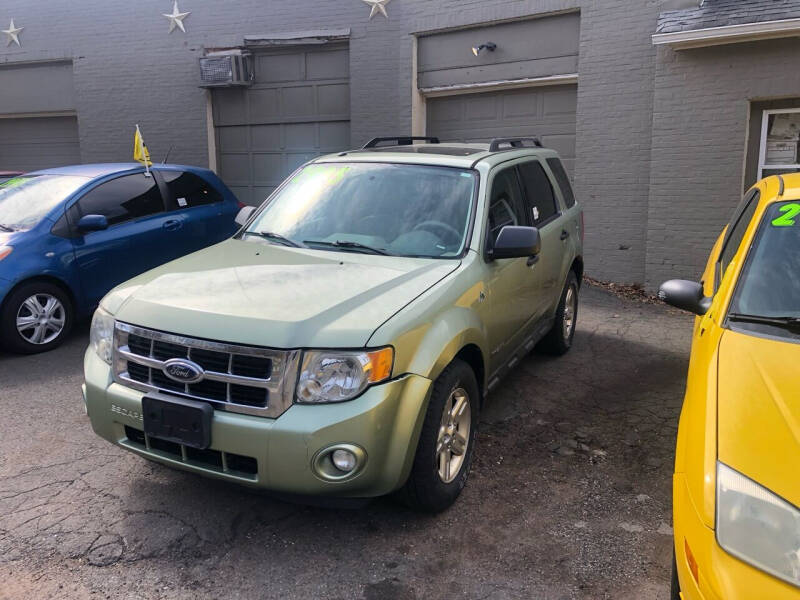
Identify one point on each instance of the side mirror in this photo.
(516, 242)
(686, 295)
(244, 215)
(92, 223)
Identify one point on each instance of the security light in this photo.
(490, 46)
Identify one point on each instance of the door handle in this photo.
(564, 234)
(532, 260)
(172, 225)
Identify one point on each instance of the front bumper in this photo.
(720, 575)
(5, 287)
(385, 421)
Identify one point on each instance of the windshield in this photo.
(381, 208)
(769, 285)
(25, 200)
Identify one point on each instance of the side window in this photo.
(735, 234)
(123, 199)
(188, 190)
(505, 203)
(541, 201)
(62, 228)
(563, 181)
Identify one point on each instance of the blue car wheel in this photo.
(36, 317)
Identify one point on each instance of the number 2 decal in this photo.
(787, 219)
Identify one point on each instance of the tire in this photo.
(675, 586)
(39, 299)
(558, 340)
(426, 489)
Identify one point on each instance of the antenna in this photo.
(163, 162)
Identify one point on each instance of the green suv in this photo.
(344, 341)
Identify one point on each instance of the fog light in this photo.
(344, 460)
(339, 462)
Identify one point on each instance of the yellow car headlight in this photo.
(756, 526)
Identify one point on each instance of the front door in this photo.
(509, 281)
(133, 241)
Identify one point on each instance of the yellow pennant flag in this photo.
(140, 152)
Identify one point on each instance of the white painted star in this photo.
(176, 18)
(378, 6)
(13, 33)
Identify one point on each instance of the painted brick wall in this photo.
(700, 122)
(128, 70)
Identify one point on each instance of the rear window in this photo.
(538, 192)
(188, 190)
(563, 181)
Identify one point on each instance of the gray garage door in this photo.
(297, 108)
(38, 143)
(548, 112)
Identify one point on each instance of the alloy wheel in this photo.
(451, 445)
(41, 319)
(570, 301)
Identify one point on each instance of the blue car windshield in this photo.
(25, 200)
(379, 208)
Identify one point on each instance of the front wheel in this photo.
(446, 444)
(36, 317)
(675, 586)
(559, 339)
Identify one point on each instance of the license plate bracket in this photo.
(178, 420)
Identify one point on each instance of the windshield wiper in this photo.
(346, 244)
(790, 323)
(276, 237)
(5, 227)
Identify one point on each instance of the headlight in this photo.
(5, 251)
(334, 376)
(101, 335)
(757, 526)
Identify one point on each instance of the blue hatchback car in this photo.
(68, 235)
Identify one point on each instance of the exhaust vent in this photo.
(226, 69)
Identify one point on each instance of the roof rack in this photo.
(515, 142)
(405, 140)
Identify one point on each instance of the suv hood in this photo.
(759, 411)
(252, 292)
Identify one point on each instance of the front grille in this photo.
(246, 379)
(214, 460)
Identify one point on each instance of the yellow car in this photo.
(736, 487)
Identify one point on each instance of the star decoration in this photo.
(176, 18)
(378, 6)
(13, 33)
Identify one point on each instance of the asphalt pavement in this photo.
(569, 497)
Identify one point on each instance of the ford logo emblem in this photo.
(182, 370)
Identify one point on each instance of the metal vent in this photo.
(225, 69)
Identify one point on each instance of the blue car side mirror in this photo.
(92, 223)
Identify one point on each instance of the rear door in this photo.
(135, 241)
(196, 213)
(545, 213)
